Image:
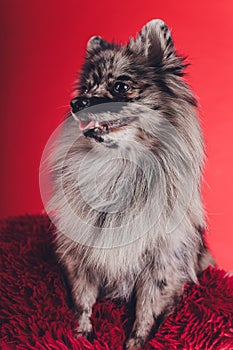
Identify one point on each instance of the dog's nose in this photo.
(78, 103)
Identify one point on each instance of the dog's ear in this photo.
(155, 42)
(96, 43)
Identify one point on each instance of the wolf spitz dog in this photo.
(127, 201)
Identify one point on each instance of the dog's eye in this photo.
(120, 87)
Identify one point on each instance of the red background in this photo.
(43, 44)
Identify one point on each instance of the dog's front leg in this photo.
(85, 293)
(144, 320)
(153, 299)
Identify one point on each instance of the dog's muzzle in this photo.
(95, 129)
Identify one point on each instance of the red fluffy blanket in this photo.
(36, 313)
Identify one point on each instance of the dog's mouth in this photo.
(97, 129)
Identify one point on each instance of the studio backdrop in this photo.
(43, 44)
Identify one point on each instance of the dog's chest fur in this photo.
(120, 269)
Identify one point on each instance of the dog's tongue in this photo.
(85, 126)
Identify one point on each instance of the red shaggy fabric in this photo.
(35, 312)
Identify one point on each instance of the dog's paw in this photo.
(88, 335)
(134, 343)
(85, 329)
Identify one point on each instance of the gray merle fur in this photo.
(152, 166)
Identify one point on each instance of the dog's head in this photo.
(146, 72)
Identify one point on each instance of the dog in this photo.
(127, 170)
